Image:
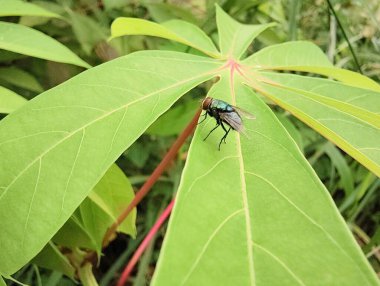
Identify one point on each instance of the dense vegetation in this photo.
(347, 32)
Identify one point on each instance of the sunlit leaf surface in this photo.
(9, 100)
(176, 30)
(255, 213)
(67, 138)
(354, 128)
(305, 57)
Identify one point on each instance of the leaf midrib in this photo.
(72, 133)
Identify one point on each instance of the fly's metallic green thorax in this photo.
(224, 114)
(221, 105)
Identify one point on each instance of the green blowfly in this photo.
(224, 114)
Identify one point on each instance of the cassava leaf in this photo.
(17, 38)
(22, 8)
(175, 30)
(306, 57)
(20, 78)
(175, 120)
(98, 212)
(241, 219)
(9, 100)
(88, 122)
(234, 38)
(353, 128)
(51, 258)
(110, 197)
(87, 31)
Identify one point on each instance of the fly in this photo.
(224, 114)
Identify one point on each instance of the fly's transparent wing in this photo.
(232, 119)
(245, 113)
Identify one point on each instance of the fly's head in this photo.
(206, 103)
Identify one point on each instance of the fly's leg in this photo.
(217, 125)
(225, 135)
(225, 130)
(205, 116)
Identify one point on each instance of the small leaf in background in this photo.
(20, 78)
(339, 162)
(22, 8)
(88, 32)
(175, 120)
(112, 194)
(113, 4)
(138, 154)
(87, 227)
(175, 30)
(9, 100)
(161, 12)
(74, 234)
(50, 257)
(16, 38)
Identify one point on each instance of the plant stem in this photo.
(154, 177)
(128, 269)
(345, 36)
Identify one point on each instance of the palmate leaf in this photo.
(66, 138)
(175, 30)
(241, 219)
(354, 128)
(255, 213)
(305, 57)
(252, 213)
(17, 38)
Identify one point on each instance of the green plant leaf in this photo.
(175, 120)
(306, 57)
(88, 122)
(9, 100)
(341, 165)
(353, 128)
(161, 12)
(234, 38)
(74, 234)
(17, 38)
(255, 213)
(51, 258)
(87, 31)
(21, 8)
(20, 78)
(111, 195)
(175, 30)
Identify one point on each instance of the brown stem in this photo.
(154, 177)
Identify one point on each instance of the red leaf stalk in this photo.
(144, 244)
(154, 177)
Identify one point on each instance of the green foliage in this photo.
(16, 38)
(10, 100)
(253, 213)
